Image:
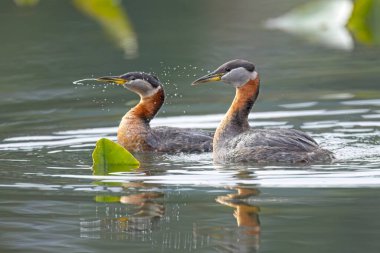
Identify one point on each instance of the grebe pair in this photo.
(234, 140)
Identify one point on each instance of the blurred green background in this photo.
(46, 45)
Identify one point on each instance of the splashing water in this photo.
(82, 81)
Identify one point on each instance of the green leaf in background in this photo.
(109, 157)
(365, 21)
(114, 19)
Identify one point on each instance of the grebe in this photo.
(235, 141)
(135, 133)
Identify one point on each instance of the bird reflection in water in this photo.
(247, 218)
(247, 215)
(149, 211)
(246, 236)
(128, 216)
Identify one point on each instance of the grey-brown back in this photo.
(175, 140)
(272, 146)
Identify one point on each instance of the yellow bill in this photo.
(112, 79)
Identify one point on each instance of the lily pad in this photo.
(109, 157)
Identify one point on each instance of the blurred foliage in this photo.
(321, 22)
(327, 22)
(109, 157)
(26, 3)
(365, 21)
(114, 20)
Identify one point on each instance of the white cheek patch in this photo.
(142, 87)
(152, 91)
(254, 75)
(237, 77)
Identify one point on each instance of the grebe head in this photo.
(141, 83)
(236, 73)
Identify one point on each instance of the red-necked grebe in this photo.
(235, 141)
(135, 133)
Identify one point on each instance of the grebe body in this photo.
(235, 141)
(134, 132)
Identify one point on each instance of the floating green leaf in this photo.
(109, 157)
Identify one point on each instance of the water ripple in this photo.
(81, 138)
(275, 176)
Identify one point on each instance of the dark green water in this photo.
(50, 202)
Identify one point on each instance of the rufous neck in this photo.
(148, 107)
(236, 119)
